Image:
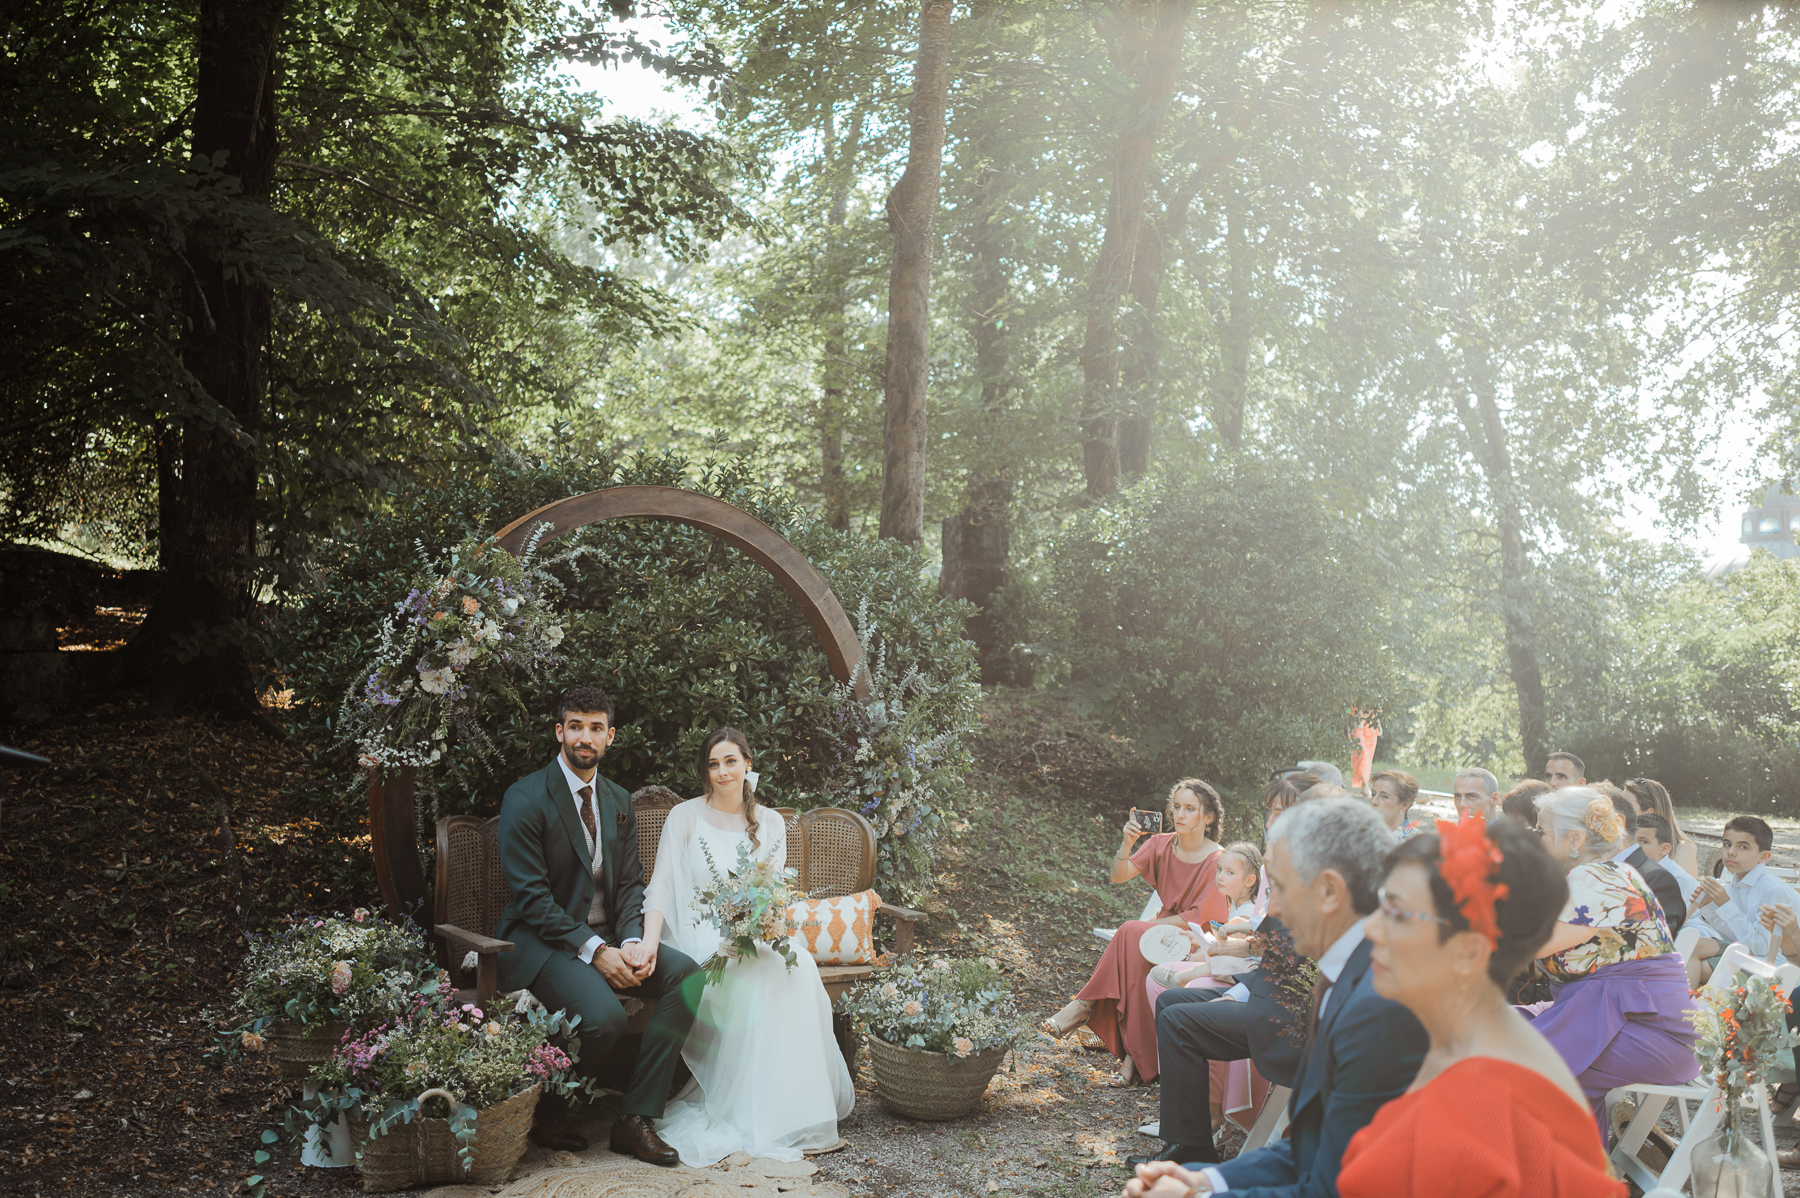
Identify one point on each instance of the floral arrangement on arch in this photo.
(1743, 1035)
(954, 1007)
(470, 627)
(887, 764)
(317, 971)
(749, 905)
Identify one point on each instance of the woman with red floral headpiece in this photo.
(1494, 1110)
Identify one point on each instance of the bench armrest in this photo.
(486, 949)
(905, 921)
(471, 941)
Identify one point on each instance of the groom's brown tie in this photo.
(587, 813)
(597, 909)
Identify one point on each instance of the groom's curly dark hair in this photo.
(584, 698)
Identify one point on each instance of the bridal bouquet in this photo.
(749, 906)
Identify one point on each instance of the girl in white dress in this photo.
(768, 1077)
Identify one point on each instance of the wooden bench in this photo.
(832, 850)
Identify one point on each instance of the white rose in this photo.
(511, 606)
(436, 682)
(554, 634)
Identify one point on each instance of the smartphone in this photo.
(1149, 821)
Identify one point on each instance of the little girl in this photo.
(1238, 877)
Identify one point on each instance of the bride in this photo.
(768, 1077)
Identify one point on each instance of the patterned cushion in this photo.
(837, 931)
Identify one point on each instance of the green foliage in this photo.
(955, 1007)
(342, 969)
(684, 632)
(1222, 621)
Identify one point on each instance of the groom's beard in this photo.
(582, 757)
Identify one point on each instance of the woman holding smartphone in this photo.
(1179, 863)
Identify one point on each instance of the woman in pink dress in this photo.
(1180, 865)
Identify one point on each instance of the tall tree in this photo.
(912, 212)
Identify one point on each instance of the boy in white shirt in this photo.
(1728, 911)
(1657, 840)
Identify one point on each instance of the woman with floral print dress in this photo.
(1620, 1012)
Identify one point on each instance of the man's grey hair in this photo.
(1489, 783)
(1322, 790)
(1324, 771)
(1341, 834)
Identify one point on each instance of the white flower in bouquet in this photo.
(554, 635)
(340, 977)
(461, 654)
(436, 681)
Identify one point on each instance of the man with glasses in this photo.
(1476, 792)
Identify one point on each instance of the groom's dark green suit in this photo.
(550, 875)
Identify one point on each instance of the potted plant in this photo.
(1743, 1036)
(316, 977)
(937, 1033)
(442, 1092)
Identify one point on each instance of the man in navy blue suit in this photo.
(1325, 864)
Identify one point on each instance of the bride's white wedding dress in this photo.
(768, 1077)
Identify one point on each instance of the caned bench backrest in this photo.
(832, 850)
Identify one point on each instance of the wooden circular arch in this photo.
(391, 830)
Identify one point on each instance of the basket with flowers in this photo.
(315, 977)
(440, 1091)
(749, 905)
(937, 1033)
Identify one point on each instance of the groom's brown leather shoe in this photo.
(634, 1134)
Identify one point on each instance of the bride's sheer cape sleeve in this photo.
(670, 886)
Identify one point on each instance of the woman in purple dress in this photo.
(1620, 1012)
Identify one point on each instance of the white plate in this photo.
(1164, 944)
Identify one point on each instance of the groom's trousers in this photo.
(673, 992)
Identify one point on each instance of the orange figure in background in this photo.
(1362, 751)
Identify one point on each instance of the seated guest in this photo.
(1180, 866)
(1782, 920)
(1657, 840)
(1520, 802)
(1564, 769)
(1652, 797)
(1324, 771)
(1494, 1110)
(1620, 1013)
(1475, 792)
(1662, 883)
(1391, 793)
(1727, 911)
(1325, 866)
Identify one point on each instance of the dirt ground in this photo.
(122, 896)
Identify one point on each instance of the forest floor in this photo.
(122, 896)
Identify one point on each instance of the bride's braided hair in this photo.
(722, 735)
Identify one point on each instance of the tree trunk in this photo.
(977, 541)
(1100, 400)
(191, 644)
(1232, 385)
(911, 210)
(833, 405)
(1142, 350)
(1488, 434)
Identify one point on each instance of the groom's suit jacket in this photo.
(1365, 1051)
(550, 873)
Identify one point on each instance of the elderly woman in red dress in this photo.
(1180, 865)
(1494, 1110)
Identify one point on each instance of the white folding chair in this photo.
(1686, 941)
(1651, 1100)
(1152, 909)
(1270, 1122)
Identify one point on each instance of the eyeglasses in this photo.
(1395, 914)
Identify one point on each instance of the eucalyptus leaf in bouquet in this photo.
(749, 906)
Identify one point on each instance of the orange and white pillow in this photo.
(837, 931)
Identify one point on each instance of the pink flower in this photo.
(912, 1007)
(340, 977)
(361, 914)
(964, 1046)
(369, 761)
(253, 1042)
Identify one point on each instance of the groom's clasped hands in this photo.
(626, 968)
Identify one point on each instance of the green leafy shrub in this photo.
(1221, 620)
(685, 632)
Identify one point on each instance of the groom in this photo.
(568, 848)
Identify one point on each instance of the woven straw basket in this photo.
(931, 1085)
(296, 1054)
(423, 1152)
